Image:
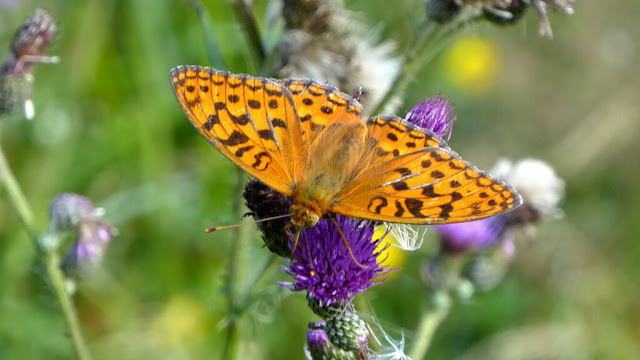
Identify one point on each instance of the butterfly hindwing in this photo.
(250, 120)
(432, 185)
(392, 136)
(318, 106)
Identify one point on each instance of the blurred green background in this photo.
(107, 126)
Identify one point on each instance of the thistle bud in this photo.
(347, 331)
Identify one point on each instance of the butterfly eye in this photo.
(311, 219)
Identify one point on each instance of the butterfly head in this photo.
(303, 217)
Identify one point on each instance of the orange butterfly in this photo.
(307, 141)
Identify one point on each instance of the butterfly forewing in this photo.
(250, 120)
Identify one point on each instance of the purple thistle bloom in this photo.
(75, 214)
(68, 210)
(435, 114)
(317, 340)
(471, 236)
(322, 264)
(85, 255)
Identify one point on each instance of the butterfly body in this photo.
(307, 141)
(328, 169)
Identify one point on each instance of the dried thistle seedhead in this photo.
(28, 46)
(325, 42)
(501, 12)
(34, 35)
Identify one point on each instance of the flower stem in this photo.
(16, 197)
(435, 313)
(237, 273)
(243, 12)
(52, 261)
(50, 258)
(210, 41)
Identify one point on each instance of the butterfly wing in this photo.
(250, 120)
(429, 185)
(318, 106)
(393, 136)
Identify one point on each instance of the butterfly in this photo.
(307, 141)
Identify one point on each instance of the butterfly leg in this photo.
(295, 246)
(346, 243)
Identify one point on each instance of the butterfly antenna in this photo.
(216, 228)
(347, 244)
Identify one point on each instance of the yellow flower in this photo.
(395, 257)
(471, 64)
(181, 324)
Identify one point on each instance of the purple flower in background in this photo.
(322, 264)
(471, 236)
(435, 114)
(85, 255)
(72, 213)
(68, 210)
(10, 3)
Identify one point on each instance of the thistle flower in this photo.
(322, 263)
(264, 203)
(540, 187)
(501, 12)
(85, 256)
(471, 236)
(319, 347)
(71, 213)
(67, 211)
(541, 191)
(10, 3)
(27, 48)
(435, 114)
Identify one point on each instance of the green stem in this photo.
(50, 258)
(243, 11)
(210, 41)
(237, 273)
(431, 318)
(16, 197)
(52, 261)
(431, 40)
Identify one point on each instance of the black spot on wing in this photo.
(414, 206)
(382, 202)
(262, 161)
(236, 138)
(399, 209)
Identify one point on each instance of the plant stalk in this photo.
(237, 273)
(432, 317)
(248, 21)
(50, 258)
